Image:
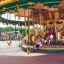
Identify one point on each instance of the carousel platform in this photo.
(44, 49)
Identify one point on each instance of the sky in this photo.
(10, 17)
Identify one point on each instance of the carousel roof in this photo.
(11, 3)
(11, 6)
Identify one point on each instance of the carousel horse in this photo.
(62, 38)
(50, 34)
(32, 39)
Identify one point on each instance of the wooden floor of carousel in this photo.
(44, 49)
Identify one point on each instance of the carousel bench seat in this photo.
(62, 41)
(48, 49)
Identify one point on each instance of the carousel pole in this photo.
(41, 22)
(33, 39)
(10, 28)
(32, 18)
(18, 17)
(55, 26)
(28, 27)
(0, 21)
(34, 25)
(28, 49)
(15, 28)
(40, 19)
(41, 26)
(19, 29)
(10, 32)
(56, 39)
(7, 25)
(25, 27)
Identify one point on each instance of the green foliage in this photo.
(23, 31)
(1, 29)
(8, 29)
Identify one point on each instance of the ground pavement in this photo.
(14, 55)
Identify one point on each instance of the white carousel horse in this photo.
(49, 39)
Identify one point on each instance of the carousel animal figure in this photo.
(50, 35)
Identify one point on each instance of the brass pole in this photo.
(15, 29)
(33, 22)
(7, 25)
(19, 30)
(28, 28)
(28, 49)
(10, 27)
(32, 18)
(40, 19)
(25, 25)
(40, 11)
(55, 26)
(10, 32)
(18, 18)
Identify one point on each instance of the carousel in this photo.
(45, 17)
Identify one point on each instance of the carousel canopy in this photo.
(49, 9)
(6, 5)
(25, 3)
